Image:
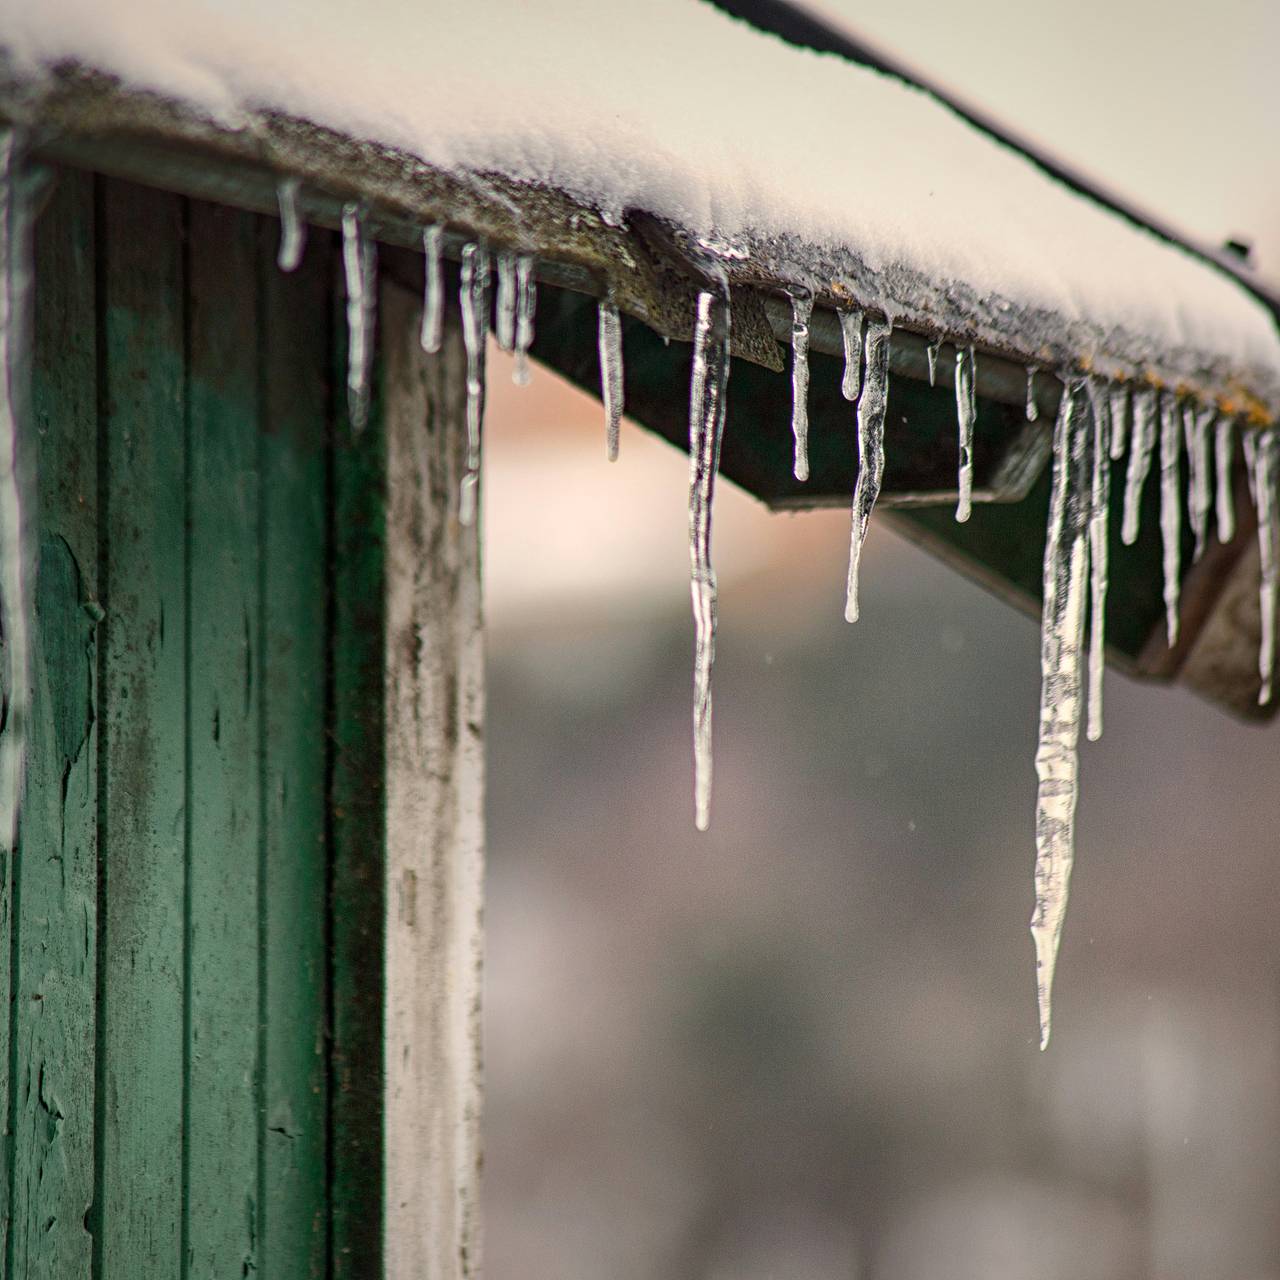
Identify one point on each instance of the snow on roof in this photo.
(806, 167)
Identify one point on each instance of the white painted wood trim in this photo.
(434, 812)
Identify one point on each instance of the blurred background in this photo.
(803, 1045)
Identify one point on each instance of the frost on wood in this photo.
(1140, 449)
(17, 566)
(526, 302)
(1170, 509)
(293, 231)
(474, 298)
(871, 410)
(358, 264)
(966, 413)
(609, 344)
(432, 290)
(708, 385)
(1066, 570)
(801, 310)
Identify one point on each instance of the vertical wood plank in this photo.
(142, 787)
(223, 1203)
(356, 801)
(54, 970)
(434, 811)
(295, 347)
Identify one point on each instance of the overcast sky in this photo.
(1172, 103)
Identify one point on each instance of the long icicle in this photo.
(474, 297)
(609, 345)
(851, 333)
(1195, 431)
(526, 305)
(1223, 456)
(293, 231)
(1140, 449)
(871, 409)
(707, 389)
(358, 261)
(1263, 457)
(1099, 512)
(801, 311)
(966, 412)
(432, 334)
(1066, 566)
(1119, 420)
(1032, 409)
(17, 440)
(1170, 509)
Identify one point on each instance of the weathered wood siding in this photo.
(167, 1066)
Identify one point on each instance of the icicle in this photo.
(1099, 511)
(1066, 560)
(706, 427)
(1032, 411)
(851, 331)
(1170, 509)
(609, 343)
(1263, 459)
(293, 231)
(1195, 427)
(1140, 449)
(17, 441)
(432, 290)
(1223, 449)
(358, 262)
(474, 296)
(966, 412)
(504, 318)
(801, 310)
(931, 351)
(526, 303)
(871, 408)
(1119, 420)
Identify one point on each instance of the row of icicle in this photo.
(1097, 423)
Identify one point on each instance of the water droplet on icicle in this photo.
(1141, 446)
(526, 304)
(293, 231)
(17, 440)
(358, 263)
(1099, 512)
(707, 389)
(871, 410)
(474, 297)
(432, 334)
(851, 332)
(1066, 568)
(1170, 509)
(1223, 454)
(966, 413)
(1119, 420)
(609, 345)
(801, 310)
(504, 306)
(1262, 455)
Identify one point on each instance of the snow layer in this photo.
(670, 107)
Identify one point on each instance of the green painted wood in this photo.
(293, 611)
(54, 967)
(224, 672)
(144, 806)
(358, 805)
